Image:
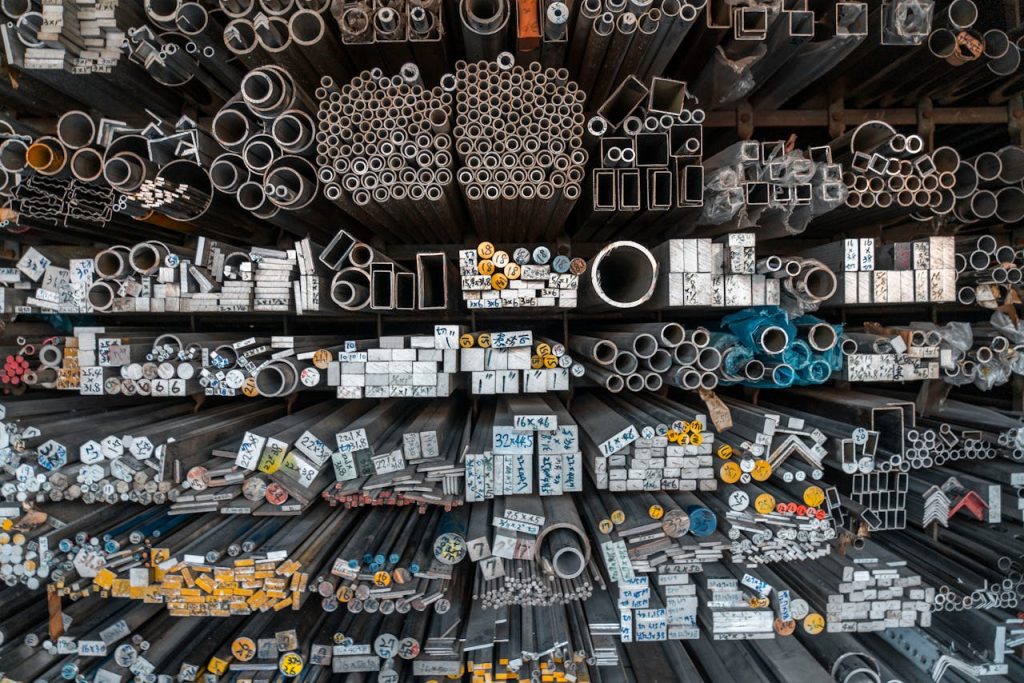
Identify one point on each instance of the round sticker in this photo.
(799, 608)
(500, 259)
(730, 473)
(618, 516)
(762, 470)
(485, 250)
(785, 628)
(484, 340)
(521, 256)
(254, 489)
(814, 623)
(560, 264)
(276, 494)
(249, 388)
(310, 377)
(541, 255)
(467, 341)
(449, 548)
(702, 521)
(485, 268)
(656, 512)
(243, 649)
(536, 363)
(758, 603)
(577, 266)
(814, 496)
(290, 664)
(605, 526)
(543, 349)
(724, 451)
(197, 479)
(385, 645)
(322, 358)
(739, 501)
(125, 655)
(513, 271)
(550, 362)
(408, 648)
(764, 503)
(695, 438)
(673, 436)
(860, 436)
(382, 579)
(499, 281)
(747, 465)
(675, 523)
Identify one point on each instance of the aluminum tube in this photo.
(1010, 204)
(484, 27)
(86, 164)
(350, 289)
(76, 129)
(622, 275)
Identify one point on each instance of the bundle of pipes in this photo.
(901, 272)
(758, 347)
(519, 135)
(512, 438)
(491, 278)
(77, 36)
(987, 272)
(366, 278)
(158, 174)
(156, 277)
(394, 33)
(614, 40)
(980, 61)
(384, 152)
(184, 52)
(725, 271)
(958, 353)
(545, 546)
(648, 145)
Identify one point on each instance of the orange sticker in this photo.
(485, 250)
(724, 451)
(730, 473)
(814, 623)
(762, 470)
(764, 503)
(656, 512)
(814, 496)
(467, 341)
(485, 268)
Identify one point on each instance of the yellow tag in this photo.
(696, 426)
(724, 451)
(322, 358)
(543, 349)
(550, 362)
(758, 603)
(814, 623)
(486, 268)
(762, 470)
(485, 250)
(382, 579)
(765, 503)
(536, 363)
(105, 578)
(618, 516)
(271, 459)
(484, 340)
(695, 438)
(814, 496)
(513, 271)
(605, 526)
(656, 512)
(243, 649)
(499, 281)
(467, 341)
(344, 593)
(730, 473)
(290, 665)
(249, 388)
(217, 665)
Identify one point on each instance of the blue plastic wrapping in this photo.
(740, 343)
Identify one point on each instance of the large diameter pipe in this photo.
(622, 275)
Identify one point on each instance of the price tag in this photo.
(249, 452)
(290, 664)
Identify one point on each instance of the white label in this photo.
(619, 441)
(537, 423)
(312, 447)
(249, 452)
(355, 440)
